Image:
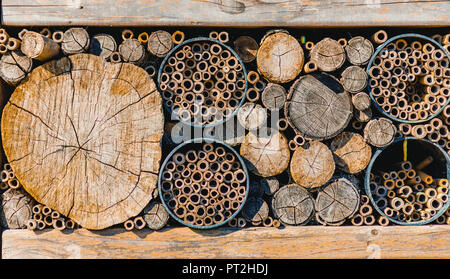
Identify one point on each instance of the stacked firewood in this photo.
(311, 94)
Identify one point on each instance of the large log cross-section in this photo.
(83, 137)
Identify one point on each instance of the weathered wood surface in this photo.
(226, 12)
(318, 107)
(293, 205)
(290, 242)
(280, 57)
(351, 152)
(266, 154)
(87, 144)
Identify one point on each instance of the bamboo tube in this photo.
(139, 223)
(434, 203)
(177, 37)
(369, 220)
(383, 221)
(70, 224)
(46, 210)
(357, 220)
(397, 203)
(425, 177)
(143, 37)
(389, 212)
(40, 225)
(242, 222)
(48, 220)
(423, 164)
(128, 225)
(31, 224)
(310, 67)
(55, 215)
(380, 37)
(127, 34)
(365, 210)
(441, 182)
(115, 57)
(57, 36)
(59, 224)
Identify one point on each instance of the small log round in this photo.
(39, 47)
(359, 50)
(351, 152)
(267, 154)
(16, 209)
(293, 205)
(270, 185)
(354, 79)
(280, 57)
(318, 107)
(328, 54)
(246, 47)
(252, 116)
(132, 51)
(361, 101)
(380, 132)
(14, 66)
(312, 165)
(75, 40)
(274, 96)
(160, 43)
(337, 201)
(255, 210)
(156, 216)
(103, 45)
(92, 156)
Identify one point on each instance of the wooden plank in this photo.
(299, 13)
(290, 242)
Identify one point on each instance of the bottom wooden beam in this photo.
(290, 242)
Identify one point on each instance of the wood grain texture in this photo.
(303, 13)
(290, 242)
(87, 144)
(351, 152)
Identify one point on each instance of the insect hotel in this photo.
(225, 129)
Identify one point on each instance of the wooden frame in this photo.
(230, 13)
(257, 242)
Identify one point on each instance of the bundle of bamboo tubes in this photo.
(204, 187)
(407, 193)
(45, 217)
(203, 82)
(410, 79)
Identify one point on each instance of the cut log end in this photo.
(160, 43)
(359, 50)
(16, 209)
(293, 205)
(274, 96)
(75, 40)
(280, 57)
(380, 132)
(156, 216)
(328, 54)
(337, 201)
(266, 155)
(94, 156)
(351, 152)
(312, 165)
(318, 107)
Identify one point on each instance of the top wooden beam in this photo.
(231, 13)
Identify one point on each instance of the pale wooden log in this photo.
(266, 154)
(75, 40)
(252, 116)
(103, 45)
(359, 50)
(92, 156)
(14, 66)
(274, 96)
(255, 210)
(361, 101)
(312, 165)
(354, 79)
(328, 54)
(380, 132)
(39, 47)
(132, 51)
(160, 43)
(401, 242)
(351, 152)
(293, 205)
(155, 215)
(280, 57)
(16, 209)
(246, 47)
(270, 185)
(242, 13)
(337, 201)
(318, 107)
(363, 115)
